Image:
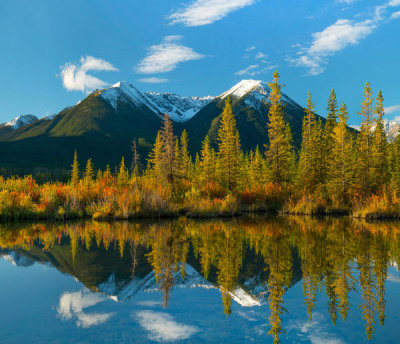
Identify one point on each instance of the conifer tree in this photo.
(279, 150)
(364, 142)
(135, 167)
(123, 174)
(379, 169)
(185, 158)
(228, 149)
(207, 162)
(155, 156)
(340, 168)
(75, 170)
(169, 163)
(89, 172)
(327, 140)
(395, 163)
(308, 163)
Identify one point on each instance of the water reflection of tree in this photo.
(327, 249)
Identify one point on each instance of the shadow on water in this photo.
(250, 260)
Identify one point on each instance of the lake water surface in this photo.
(296, 280)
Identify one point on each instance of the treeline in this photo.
(335, 171)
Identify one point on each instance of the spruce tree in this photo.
(364, 142)
(308, 173)
(327, 141)
(279, 149)
(340, 168)
(169, 162)
(155, 157)
(89, 172)
(207, 162)
(136, 166)
(123, 174)
(228, 149)
(75, 170)
(185, 158)
(380, 164)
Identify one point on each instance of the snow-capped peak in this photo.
(21, 121)
(247, 86)
(179, 108)
(391, 128)
(123, 91)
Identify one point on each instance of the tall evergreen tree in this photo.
(364, 142)
(308, 172)
(89, 172)
(155, 157)
(340, 168)
(75, 170)
(228, 149)
(279, 149)
(169, 163)
(136, 165)
(380, 164)
(185, 158)
(207, 162)
(327, 141)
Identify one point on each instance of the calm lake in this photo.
(292, 279)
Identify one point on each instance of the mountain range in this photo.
(103, 125)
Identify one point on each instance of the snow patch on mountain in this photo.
(16, 259)
(255, 92)
(125, 92)
(193, 279)
(180, 109)
(391, 128)
(21, 121)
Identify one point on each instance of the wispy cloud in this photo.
(166, 56)
(392, 109)
(261, 56)
(203, 12)
(75, 76)
(251, 48)
(72, 305)
(395, 15)
(347, 2)
(336, 37)
(253, 70)
(163, 328)
(153, 80)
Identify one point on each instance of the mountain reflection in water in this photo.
(252, 261)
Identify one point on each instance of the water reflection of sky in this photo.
(39, 304)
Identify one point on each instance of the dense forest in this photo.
(336, 171)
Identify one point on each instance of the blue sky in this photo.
(53, 53)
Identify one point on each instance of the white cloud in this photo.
(166, 56)
(251, 48)
(76, 78)
(261, 56)
(331, 40)
(397, 119)
(163, 327)
(316, 330)
(153, 80)
(72, 305)
(203, 12)
(395, 15)
(348, 2)
(392, 109)
(253, 70)
(336, 37)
